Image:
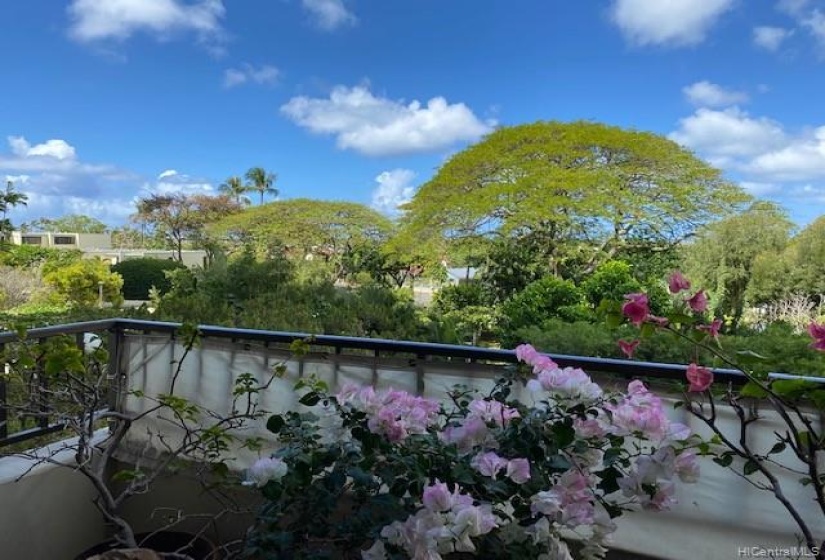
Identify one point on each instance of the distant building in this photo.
(100, 245)
(461, 274)
(54, 240)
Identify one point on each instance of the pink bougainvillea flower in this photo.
(658, 321)
(636, 308)
(817, 332)
(488, 464)
(713, 328)
(628, 347)
(518, 470)
(526, 353)
(700, 378)
(677, 282)
(698, 302)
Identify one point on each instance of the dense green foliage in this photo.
(82, 283)
(784, 351)
(267, 295)
(140, 275)
(305, 229)
(73, 223)
(722, 258)
(541, 300)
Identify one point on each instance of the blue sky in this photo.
(107, 100)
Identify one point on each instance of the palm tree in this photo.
(261, 181)
(9, 200)
(235, 188)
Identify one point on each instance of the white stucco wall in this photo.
(46, 515)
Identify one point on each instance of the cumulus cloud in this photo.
(117, 20)
(758, 148)
(57, 182)
(393, 189)
(770, 38)
(667, 23)
(377, 126)
(329, 14)
(55, 148)
(247, 73)
(801, 159)
(731, 132)
(708, 94)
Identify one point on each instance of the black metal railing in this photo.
(417, 352)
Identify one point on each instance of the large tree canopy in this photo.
(571, 184)
(326, 229)
(180, 218)
(723, 256)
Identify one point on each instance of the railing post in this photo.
(42, 389)
(4, 415)
(420, 360)
(113, 371)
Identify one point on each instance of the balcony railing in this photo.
(417, 354)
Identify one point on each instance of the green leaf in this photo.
(127, 475)
(751, 467)
(310, 399)
(564, 433)
(681, 319)
(647, 330)
(777, 448)
(753, 390)
(275, 423)
(725, 460)
(613, 320)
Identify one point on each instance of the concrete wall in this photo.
(46, 515)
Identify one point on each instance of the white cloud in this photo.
(102, 20)
(58, 183)
(172, 182)
(247, 73)
(761, 151)
(801, 159)
(377, 126)
(55, 148)
(770, 38)
(167, 173)
(329, 14)
(707, 94)
(667, 22)
(393, 189)
(815, 23)
(728, 133)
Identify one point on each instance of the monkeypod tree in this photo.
(581, 191)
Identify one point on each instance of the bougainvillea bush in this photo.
(798, 403)
(386, 474)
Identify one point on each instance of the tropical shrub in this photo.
(80, 283)
(140, 275)
(386, 474)
(549, 297)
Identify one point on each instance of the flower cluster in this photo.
(265, 470)
(447, 523)
(394, 414)
(637, 311)
(478, 473)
